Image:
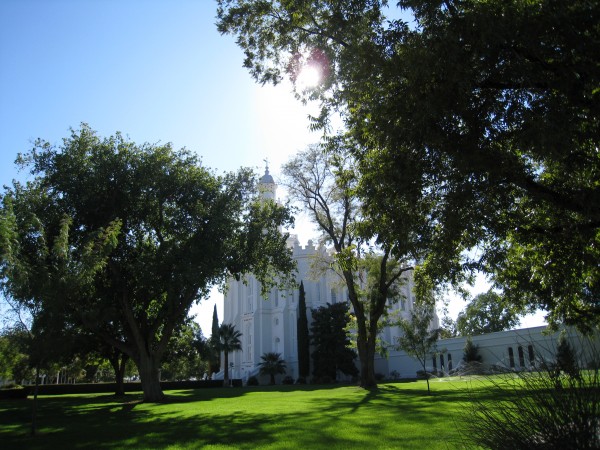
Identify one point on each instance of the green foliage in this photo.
(485, 115)
(487, 313)
(418, 339)
(271, 364)
(182, 360)
(14, 363)
(213, 356)
(324, 182)
(566, 357)
(331, 343)
(253, 381)
(125, 238)
(303, 337)
(471, 351)
(229, 341)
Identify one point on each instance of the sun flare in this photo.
(309, 76)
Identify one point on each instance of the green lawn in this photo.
(396, 415)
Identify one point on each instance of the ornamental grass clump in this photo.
(546, 409)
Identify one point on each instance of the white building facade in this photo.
(270, 324)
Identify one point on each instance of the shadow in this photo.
(308, 416)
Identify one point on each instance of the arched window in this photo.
(250, 306)
(511, 357)
(449, 361)
(531, 355)
(521, 356)
(248, 351)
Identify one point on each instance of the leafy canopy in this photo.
(488, 109)
(126, 237)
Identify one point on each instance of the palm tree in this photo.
(271, 365)
(229, 341)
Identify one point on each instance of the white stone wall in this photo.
(494, 349)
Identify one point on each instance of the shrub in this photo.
(252, 381)
(379, 376)
(471, 352)
(288, 380)
(14, 392)
(566, 357)
(422, 375)
(301, 380)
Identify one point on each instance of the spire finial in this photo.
(266, 160)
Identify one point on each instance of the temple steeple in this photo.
(266, 184)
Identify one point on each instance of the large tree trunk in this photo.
(368, 376)
(150, 377)
(35, 399)
(366, 356)
(118, 361)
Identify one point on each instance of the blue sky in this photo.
(158, 71)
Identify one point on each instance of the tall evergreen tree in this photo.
(303, 342)
(332, 345)
(215, 359)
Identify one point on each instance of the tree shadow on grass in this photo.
(342, 419)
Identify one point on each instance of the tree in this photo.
(331, 343)
(364, 258)
(37, 268)
(303, 337)
(272, 365)
(471, 351)
(488, 108)
(229, 341)
(14, 363)
(566, 357)
(88, 346)
(214, 361)
(182, 359)
(142, 233)
(487, 313)
(418, 339)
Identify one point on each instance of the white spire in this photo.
(266, 184)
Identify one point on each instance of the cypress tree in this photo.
(215, 362)
(215, 323)
(303, 342)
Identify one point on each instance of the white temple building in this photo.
(270, 325)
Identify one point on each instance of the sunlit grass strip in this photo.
(398, 415)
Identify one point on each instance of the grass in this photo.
(396, 415)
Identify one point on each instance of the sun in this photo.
(309, 77)
(308, 69)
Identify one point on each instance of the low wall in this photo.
(96, 388)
